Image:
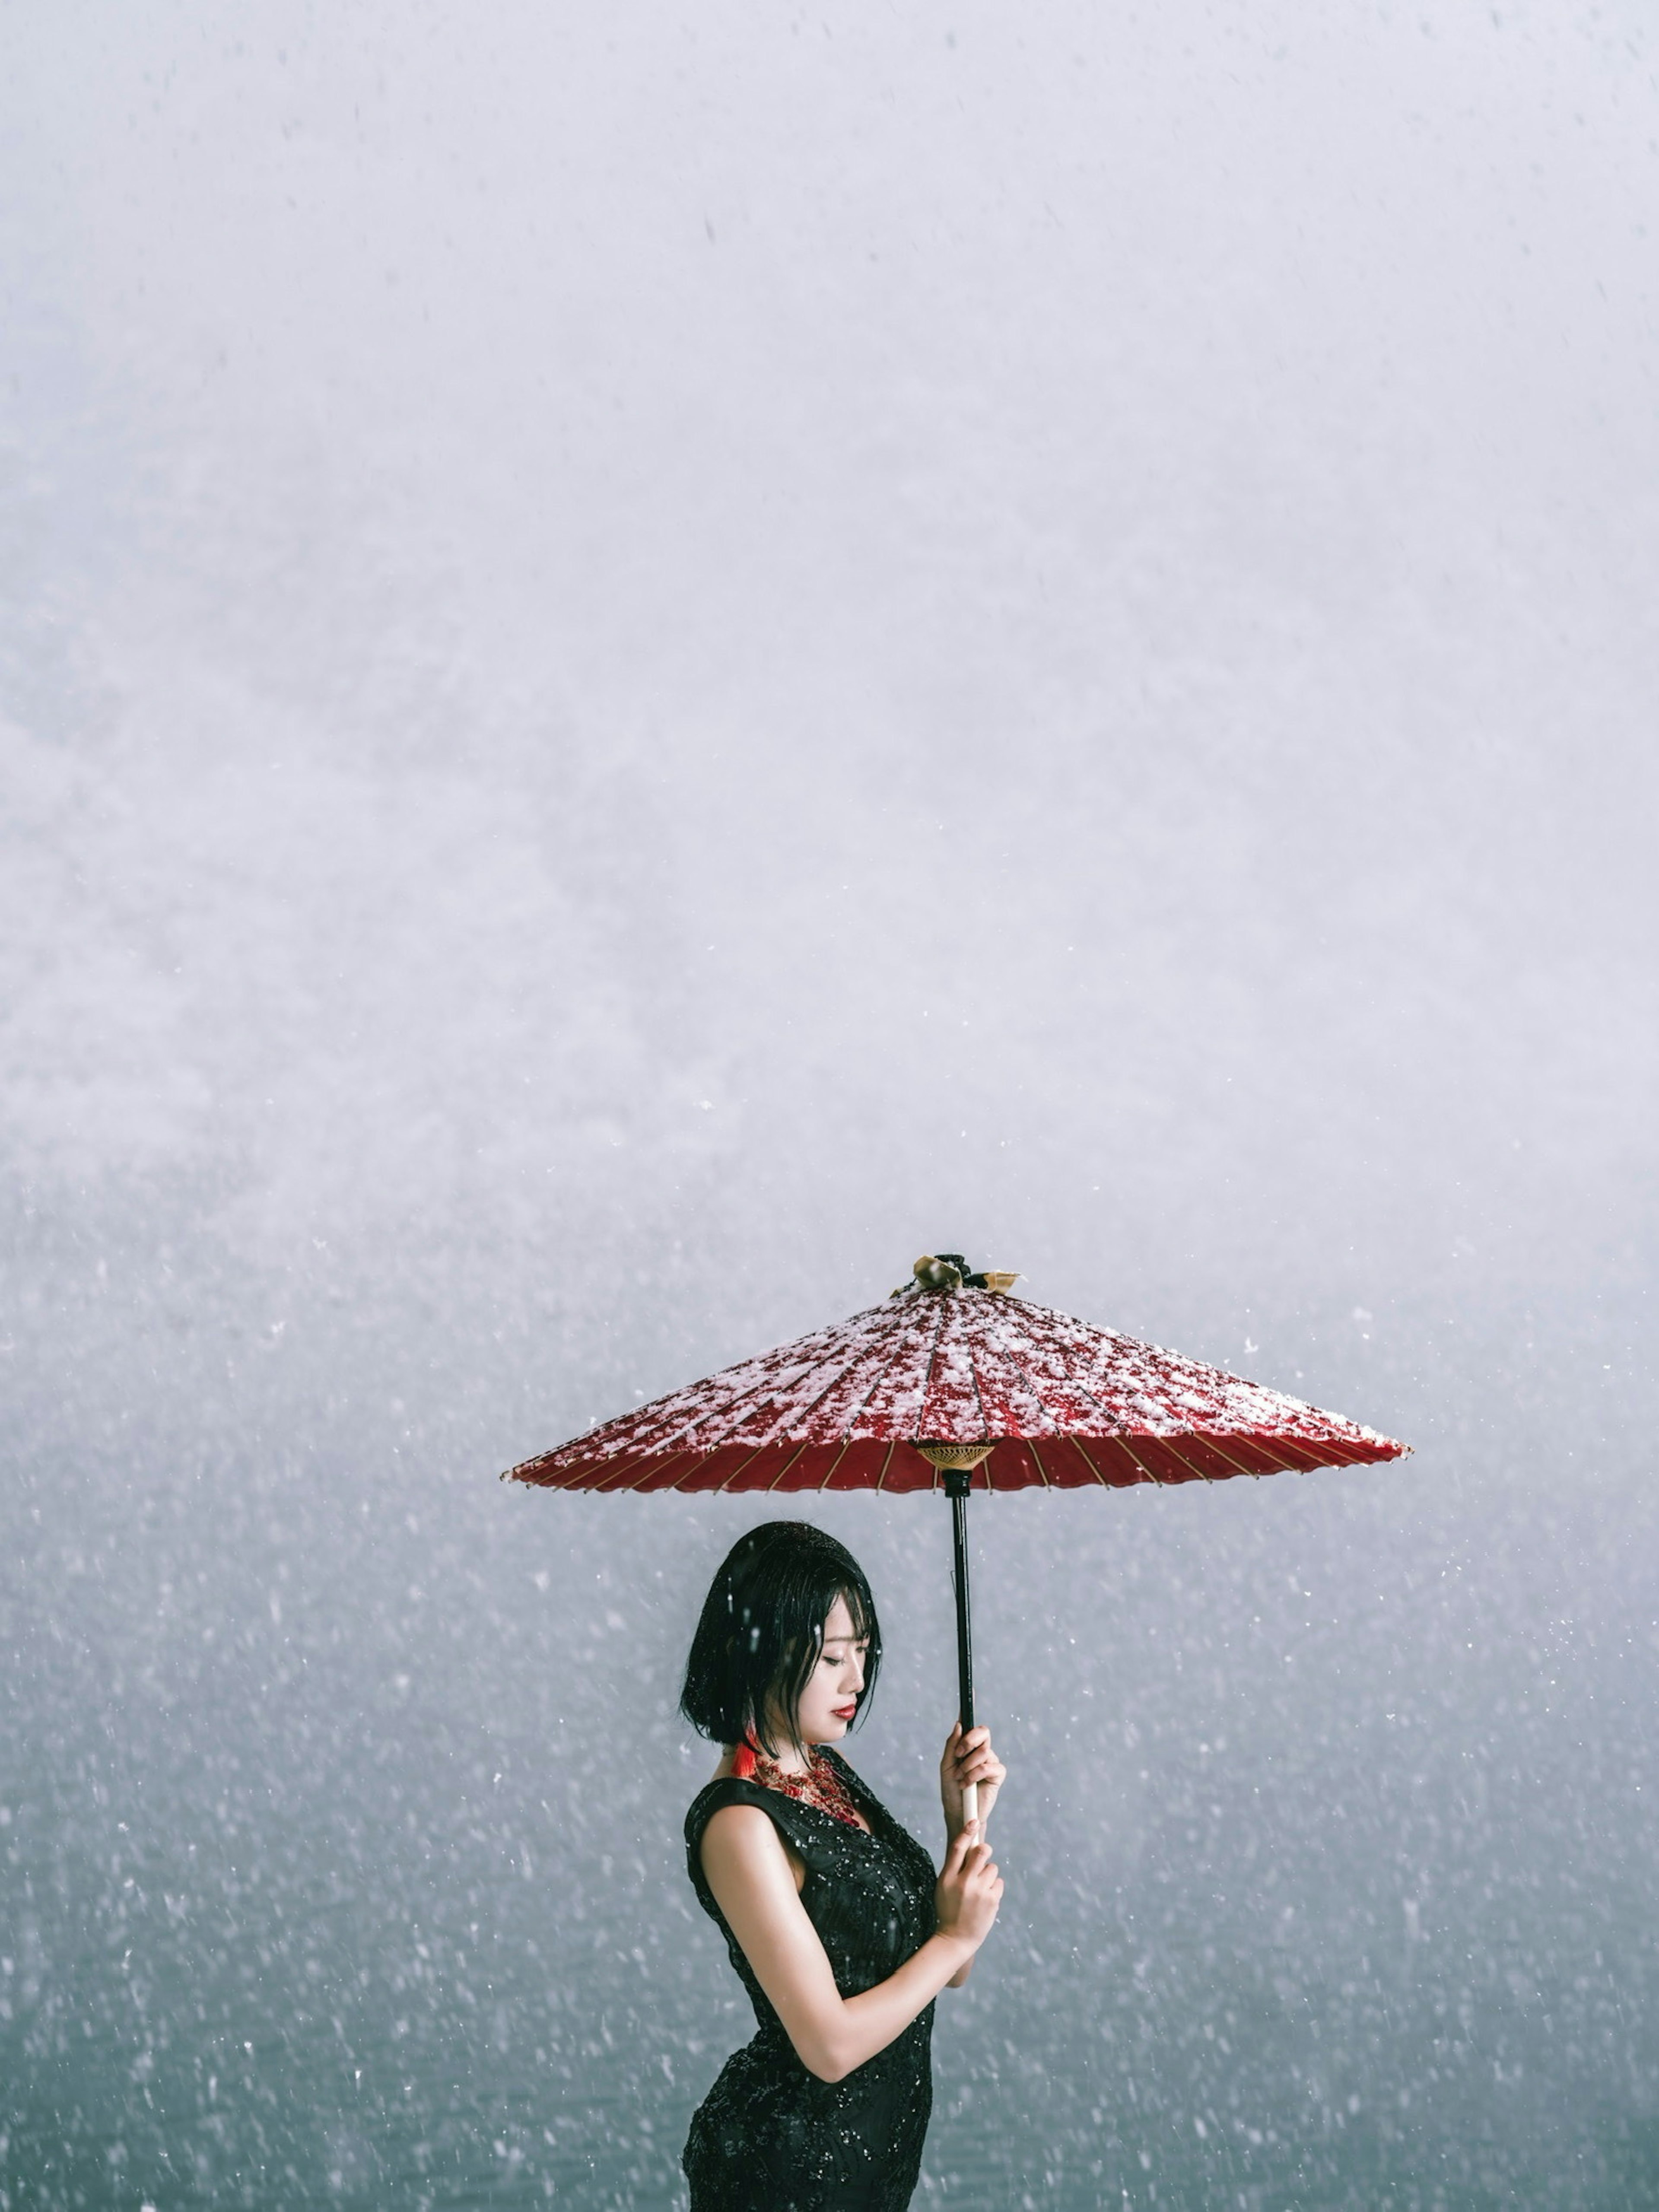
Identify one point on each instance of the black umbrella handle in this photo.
(956, 1483)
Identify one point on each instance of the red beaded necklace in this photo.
(821, 1785)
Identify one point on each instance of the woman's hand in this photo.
(968, 1891)
(968, 1759)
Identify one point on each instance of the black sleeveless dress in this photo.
(771, 2136)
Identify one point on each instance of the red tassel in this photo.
(743, 1762)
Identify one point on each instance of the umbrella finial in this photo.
(949, 1271)
(940, 1274)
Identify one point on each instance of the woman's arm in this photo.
(754, 1886)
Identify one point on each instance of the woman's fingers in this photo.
(974, 1758)
(966, 1860)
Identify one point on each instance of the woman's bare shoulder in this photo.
(741, 1844)
(739, 1827)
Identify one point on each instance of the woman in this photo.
(836, 1922)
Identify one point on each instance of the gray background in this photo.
(653, 657)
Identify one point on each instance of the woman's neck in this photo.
(790, 1759)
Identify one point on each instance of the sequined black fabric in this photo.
(771, 2136)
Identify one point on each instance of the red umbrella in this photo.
(954, 1383)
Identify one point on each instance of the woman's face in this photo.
(836, 1682)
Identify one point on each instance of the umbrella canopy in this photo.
(1060, 1404)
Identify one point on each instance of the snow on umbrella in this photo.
(953, 1383)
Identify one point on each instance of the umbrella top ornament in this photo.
(953, 1375)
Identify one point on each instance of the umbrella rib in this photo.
(783, 1470)
(1221, 1451)
(622, 1478)
(740, 1466)
(1307, 1461)
(698, 1459)
(1314, 1464)
(887, 1461)
(1083, 1454)
(1038, 1465)
(617, 1476)
(835, 1463)
(1147, 1474)
(1173, 1448)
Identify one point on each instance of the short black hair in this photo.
(762, 1630)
